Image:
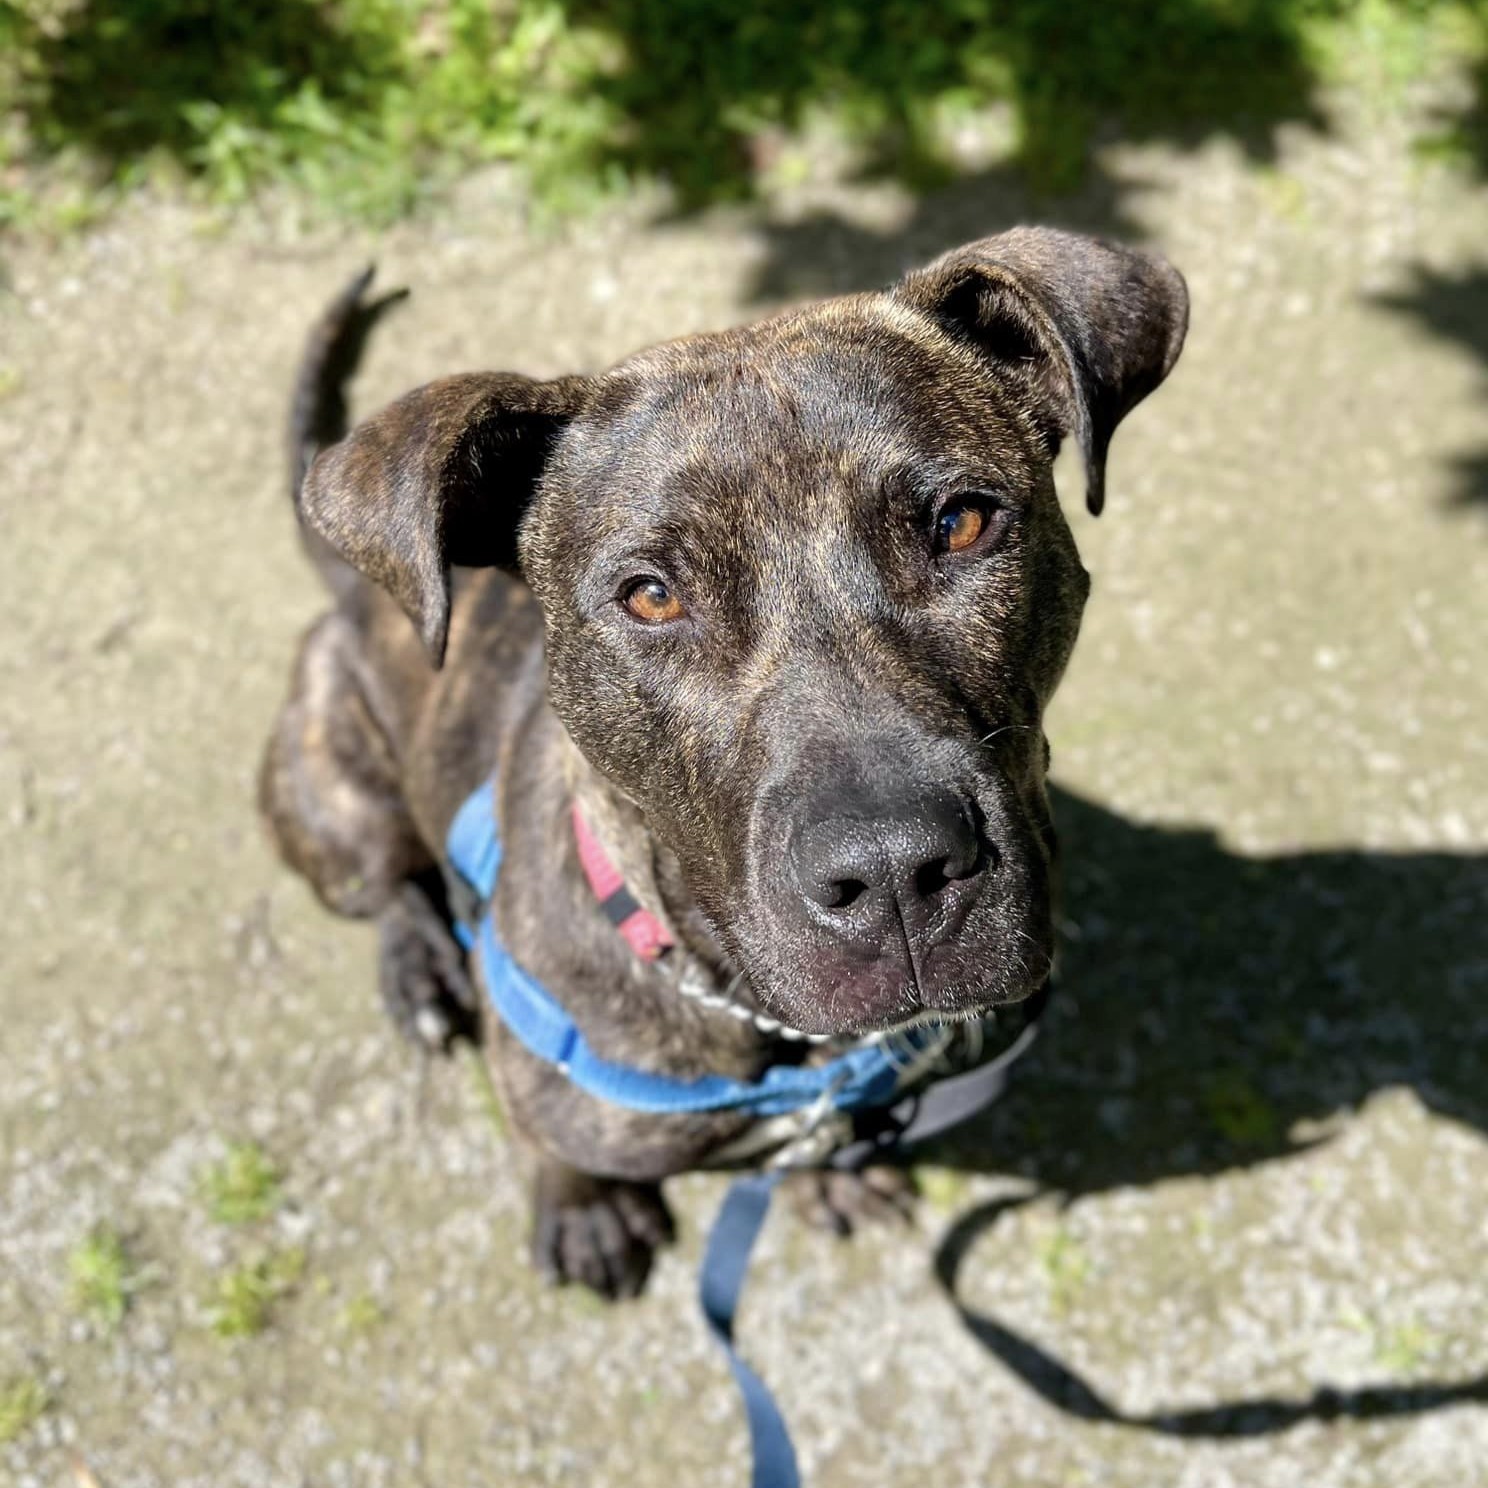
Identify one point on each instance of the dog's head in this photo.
(807, 590)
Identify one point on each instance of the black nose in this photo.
(852, 870)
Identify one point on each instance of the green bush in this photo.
(367, 105)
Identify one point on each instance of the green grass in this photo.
(103, 1279)
(243, 1298)
(485, 1090)
(23, 1401)
(367, 107)
(243, 1187)
(360, 1315)
(1067, 1268)
(1237, 1111)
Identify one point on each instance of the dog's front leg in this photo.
(421, 968)
(599, 1232)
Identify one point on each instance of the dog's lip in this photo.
(922, 1016)
(888, 1009)
(933, 1017)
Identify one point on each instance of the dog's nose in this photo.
(851, 870)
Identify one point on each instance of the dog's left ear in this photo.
(1080, 328)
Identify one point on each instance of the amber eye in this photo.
(959, 525)
(650, 600)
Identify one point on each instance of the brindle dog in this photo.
(780, 609)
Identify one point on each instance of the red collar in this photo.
(643, 932)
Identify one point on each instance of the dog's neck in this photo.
(696, 966)
(649, 870)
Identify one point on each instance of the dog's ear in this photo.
(443, 476)
(1081, 328)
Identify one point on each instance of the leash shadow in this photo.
(1059, 1386)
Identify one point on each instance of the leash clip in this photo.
(823, 1129)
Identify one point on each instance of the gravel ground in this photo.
(1229, 1229)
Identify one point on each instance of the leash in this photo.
(864, 1105)
(746, 1206)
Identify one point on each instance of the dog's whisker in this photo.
(1005, 728)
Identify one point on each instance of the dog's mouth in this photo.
(925, 1020)
(963, 981)
(829, 999)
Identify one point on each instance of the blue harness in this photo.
(864, 1078)
(863, 1083)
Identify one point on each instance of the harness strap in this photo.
(861, 1078)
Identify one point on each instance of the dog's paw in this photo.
(842, 1201)
(425, 987)
(598, 1232)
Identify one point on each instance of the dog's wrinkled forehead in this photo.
(779, 414)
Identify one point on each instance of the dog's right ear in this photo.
(441, 477)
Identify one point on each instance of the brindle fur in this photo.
(779, 474)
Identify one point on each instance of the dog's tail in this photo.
(318, 415)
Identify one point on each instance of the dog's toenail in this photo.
(432, 1026)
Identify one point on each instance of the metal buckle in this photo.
(823, 1130)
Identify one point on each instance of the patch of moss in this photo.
(485, 1090)
(244, 1298)
(23, 1402)
(1403, 1348)
(360, 1315)
(944, 1189)
(103, 1280)
(243, 1187)
(1067, 1268)
(1238, 1111)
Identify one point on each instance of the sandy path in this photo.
(1274, 753)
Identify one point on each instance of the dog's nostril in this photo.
(931, 878)
(843, 892)
(967, 862)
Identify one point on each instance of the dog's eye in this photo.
(650, 600)
(960, 523)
